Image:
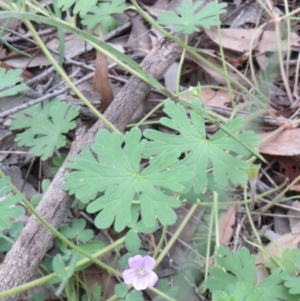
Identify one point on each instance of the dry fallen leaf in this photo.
(240, 39)
(226, 223)
(219, 98)
(101, 83)
(285, 143)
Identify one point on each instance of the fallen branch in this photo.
(23, 259)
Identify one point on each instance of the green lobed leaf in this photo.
(239, 292)
(65, 4)
(287, 260)
(202, 152)
(10, 78)
(83, 6)
(115, 170)
(237, 271)
(44, 126)
(292, 283)
(273, 288)
(102, 13)
(189, 20)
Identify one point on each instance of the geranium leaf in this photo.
(217, 152)
(189, 20)
(8, 79)
(115, 171)
(44, 126)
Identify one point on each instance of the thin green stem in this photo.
(186, 39)
(176, 235)
(278, 197)
(216, 218)
(208, 247)
(250, 217)
(161, 241)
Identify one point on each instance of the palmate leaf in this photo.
(190, 20)
(103, 13)
(116, 172)
(45, 125)
(237, 270)
(203, 153)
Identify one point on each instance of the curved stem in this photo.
(176, 235)
(186, 39)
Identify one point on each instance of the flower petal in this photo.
(140, 283)
(152, 278)
(135, 262)
(148, 263)
(129, 275)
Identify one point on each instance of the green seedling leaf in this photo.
(103, 13)
(115, 170)
(121, 290)
(189, 20)
(8, 201)
(44, 126)
(9, 79)
(132, 241)
(217, 152)
(76, 231)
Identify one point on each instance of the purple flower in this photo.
(140, 274)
